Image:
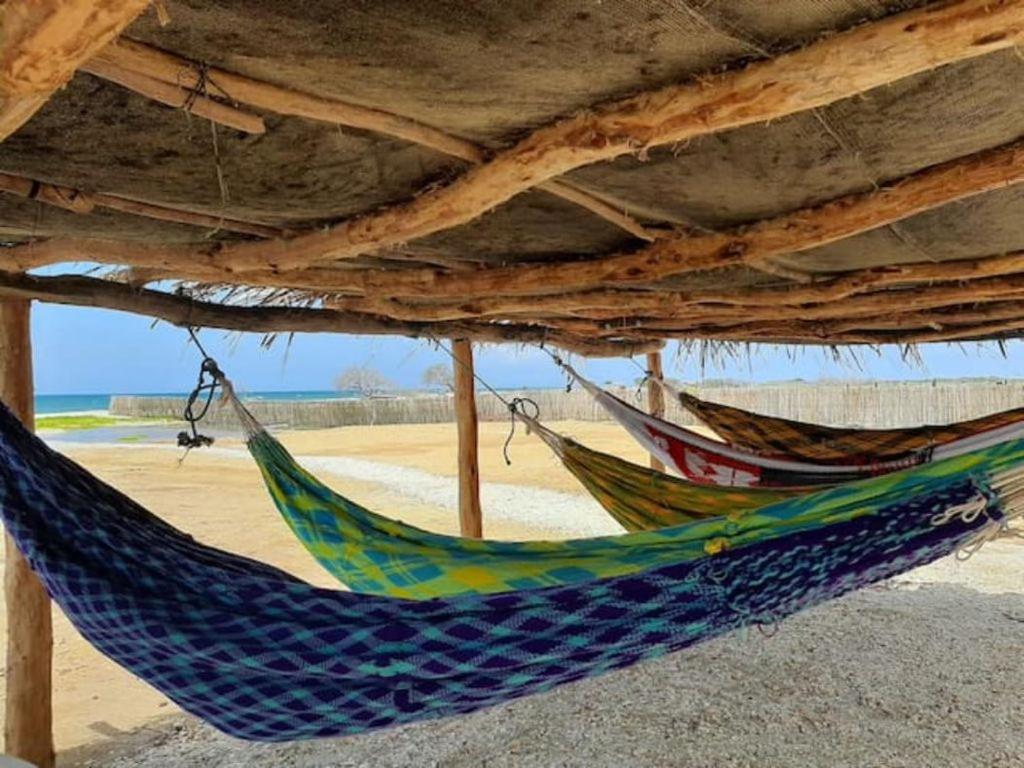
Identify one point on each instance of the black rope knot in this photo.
(210, 377)
(518, 405)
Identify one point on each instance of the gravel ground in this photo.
(889, 677)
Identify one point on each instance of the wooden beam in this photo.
(470, 515)
(124, 57)
(157, 64)
(44, 42)
(847, 64)
(28, 726)
(78, 201)
(15, 111)
(51, 194)
(655, 398)
(827, 297)
(180, 216)
(78, 290)
(194, 102)
(794, 232)
(801, 230)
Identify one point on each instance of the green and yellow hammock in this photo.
(643, 499)
(373, 554)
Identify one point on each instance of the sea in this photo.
(54, 404)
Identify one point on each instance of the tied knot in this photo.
(518, 406)
(210, 377)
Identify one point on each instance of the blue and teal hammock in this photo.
(261, 655)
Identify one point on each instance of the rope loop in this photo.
(517, 405)
(210, 378)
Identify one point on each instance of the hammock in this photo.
(772, 435)
(373, 554)
(703, 460)
(261, 655)
(643, 499)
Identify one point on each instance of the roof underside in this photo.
(493, 73)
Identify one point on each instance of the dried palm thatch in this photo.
(602, 177)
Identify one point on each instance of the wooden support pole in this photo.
(470, 515)
(655, 397)
(28, 730)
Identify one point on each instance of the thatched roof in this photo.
(603, 175)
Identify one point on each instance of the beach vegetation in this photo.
(364, 380)
(439, 376)
(89, 421)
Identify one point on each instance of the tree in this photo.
(363, 379)
(439, 376)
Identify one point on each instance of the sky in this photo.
(94, 351)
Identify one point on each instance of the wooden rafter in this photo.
(44, 42)
(613, 303)
(181, 310)
(847, 64)
(175, 96)
(794, 232)
(799, 231)
(77, 201)
(151, 72)
(51, 194)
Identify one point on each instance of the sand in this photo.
(901, 675)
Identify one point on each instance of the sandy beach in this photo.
(898, 675)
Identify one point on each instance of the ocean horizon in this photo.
(73, 403)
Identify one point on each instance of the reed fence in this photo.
(871, 404)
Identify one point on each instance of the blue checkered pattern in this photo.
(264, 656)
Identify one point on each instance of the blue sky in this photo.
(84, 351)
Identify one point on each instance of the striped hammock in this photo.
(261, 655)
(771, 435)
(703, 460)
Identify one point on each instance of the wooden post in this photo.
(28, 730)
(655, 397)
(470, 515)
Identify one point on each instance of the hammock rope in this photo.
(210, 377)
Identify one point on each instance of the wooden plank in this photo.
(28, 727)
(44, 42)
(655, 397)
(470, 515)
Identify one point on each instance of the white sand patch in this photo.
(553, 512)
